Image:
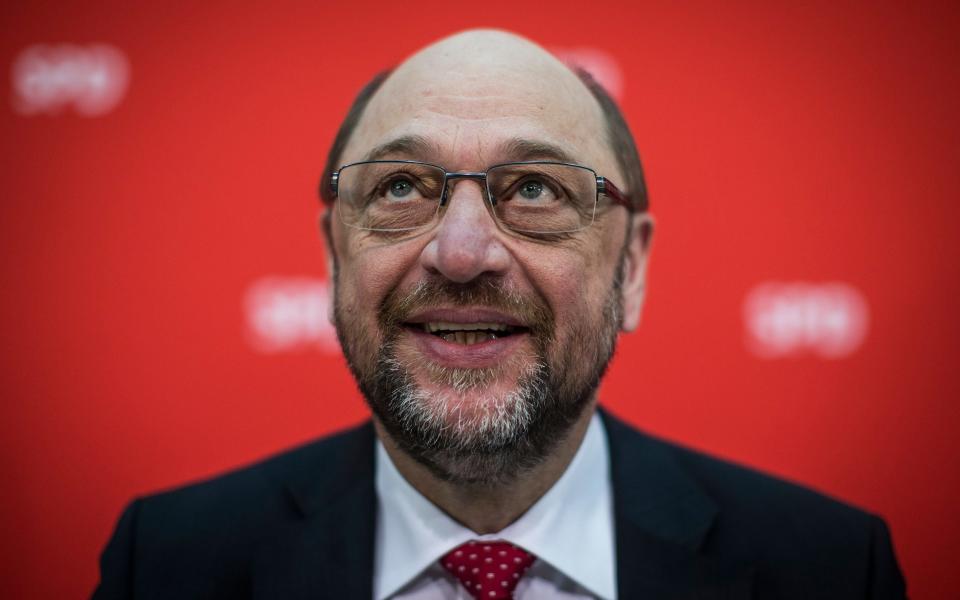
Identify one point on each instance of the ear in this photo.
(324, 223)
(634, 274)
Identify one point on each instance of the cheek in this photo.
(367, 273)
(572, 283)
(575, 280)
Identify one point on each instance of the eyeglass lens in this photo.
(527, 197)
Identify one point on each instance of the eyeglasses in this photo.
(531, 197)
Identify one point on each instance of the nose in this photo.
(467, 242)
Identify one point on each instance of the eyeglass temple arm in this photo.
(606, 187)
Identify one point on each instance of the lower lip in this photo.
(468, 356)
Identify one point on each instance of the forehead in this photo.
(482, 102)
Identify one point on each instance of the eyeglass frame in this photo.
(604, 185)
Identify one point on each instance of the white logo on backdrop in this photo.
(599, 63)
(289, 313)
(789, 319)
(47, 79)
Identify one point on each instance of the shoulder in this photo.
(740, 489)
(273, 483)
(733, 487)
(788, 532)
(210, 530)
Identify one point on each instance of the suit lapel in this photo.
(662, 520)
(328, 553)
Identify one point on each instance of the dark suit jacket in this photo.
(301, 525)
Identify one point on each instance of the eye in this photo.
(535, 190)
(400, 187)
(531, 189)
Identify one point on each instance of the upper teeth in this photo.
(443, 326)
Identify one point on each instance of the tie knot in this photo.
(489, 570)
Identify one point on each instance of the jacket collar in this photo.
(663, 518)
(328, 553)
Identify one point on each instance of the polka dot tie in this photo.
(489, 570)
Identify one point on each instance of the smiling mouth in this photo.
(466, 334)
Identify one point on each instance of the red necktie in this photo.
(489, 570)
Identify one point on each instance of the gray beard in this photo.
(518, 430)
(491, 448)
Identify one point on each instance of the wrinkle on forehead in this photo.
(471, 87)
(476, 108)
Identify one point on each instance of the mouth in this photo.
(466, 337)
(467, 334)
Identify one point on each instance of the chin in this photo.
(478, 416)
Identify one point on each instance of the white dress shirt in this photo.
(569, 529)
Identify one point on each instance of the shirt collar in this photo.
(570, 527)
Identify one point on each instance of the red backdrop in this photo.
(163, 305)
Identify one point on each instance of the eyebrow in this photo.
(407, 145)
(516, 149)
(521, 149)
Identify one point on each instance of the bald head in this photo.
(474, 53)
(468, 98)
(484, 73)
(472, 95)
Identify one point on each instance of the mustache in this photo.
(529, 309)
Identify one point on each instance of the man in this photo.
(488, 237)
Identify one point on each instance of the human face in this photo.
(477, 407)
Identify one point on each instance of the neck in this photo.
(489, 509)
